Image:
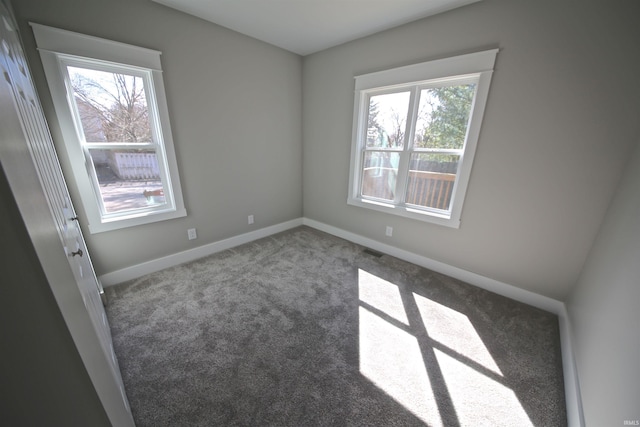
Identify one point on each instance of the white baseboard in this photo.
(575, 414)
(510, 291)
(138, 270)
(571, 384)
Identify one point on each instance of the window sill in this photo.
(150, 217)
(406, 212)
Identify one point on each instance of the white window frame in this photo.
(474, 67)
(59, 49)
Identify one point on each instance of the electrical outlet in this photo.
(389, 231)
(250, 219)
(191, 234)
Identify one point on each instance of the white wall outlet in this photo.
(250, 219)
(191, 233)
(389, 231)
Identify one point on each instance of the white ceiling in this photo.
(308, 26)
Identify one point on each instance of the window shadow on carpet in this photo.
(456, 355)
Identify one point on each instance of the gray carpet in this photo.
(306, 329)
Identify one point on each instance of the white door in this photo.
(15, 73)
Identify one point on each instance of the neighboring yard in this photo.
(125, 194)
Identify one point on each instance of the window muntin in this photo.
(414, 140)
(126, 175)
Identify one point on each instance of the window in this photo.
(110, 102)
(415, 132)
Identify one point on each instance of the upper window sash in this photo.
(108, 67)
(412, 112)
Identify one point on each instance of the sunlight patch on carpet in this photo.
(478, 399)
(467, 368)
(391, 359)
(389, 356)
(453, 330)
(381, 295)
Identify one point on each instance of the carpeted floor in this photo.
(306, 329)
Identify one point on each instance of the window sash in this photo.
(154, 145)
(474, 68)
(405, 153)
(57, 46)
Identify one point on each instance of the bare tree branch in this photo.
(120, 108)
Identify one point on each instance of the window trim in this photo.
(478, 65)
(57, 46)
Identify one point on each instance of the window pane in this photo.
(128, 179)
(387, 120)
(379, 174)
(443, 115)
(112, 106)
(431, 179)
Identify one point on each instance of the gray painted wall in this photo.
(604, 307)
(235, 112)
(561, 119)
(556, 132)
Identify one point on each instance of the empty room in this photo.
(322, 213)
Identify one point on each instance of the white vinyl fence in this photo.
(134, 166)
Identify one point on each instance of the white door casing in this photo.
(94, 340)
